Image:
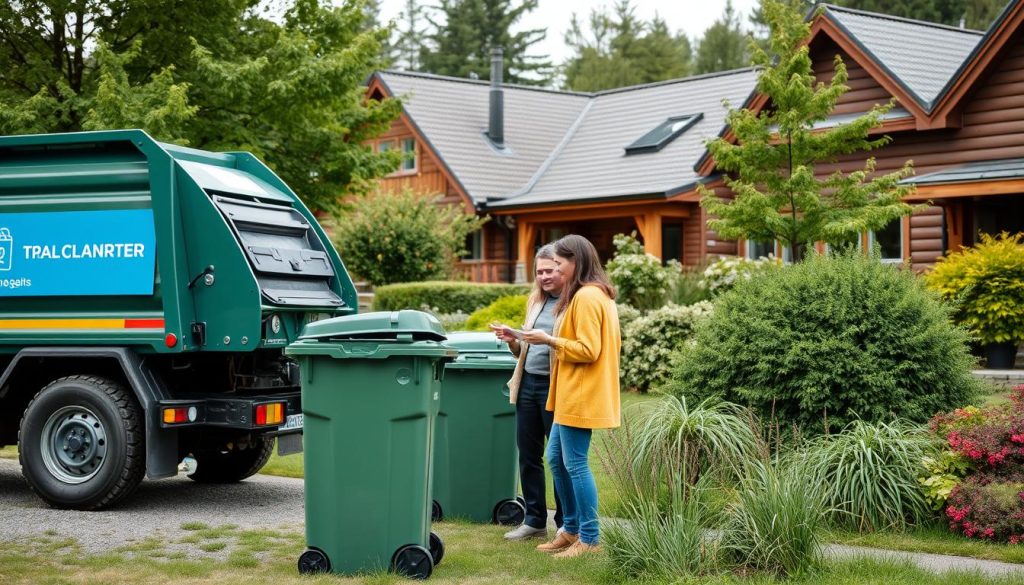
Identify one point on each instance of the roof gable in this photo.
(921, 57)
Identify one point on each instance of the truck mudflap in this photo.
(270, 415)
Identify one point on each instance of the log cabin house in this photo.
(542, 163)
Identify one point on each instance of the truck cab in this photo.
(147, 293)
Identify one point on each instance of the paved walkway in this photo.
(929, 562)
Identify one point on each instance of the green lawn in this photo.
(291, 465)
(934, 539)
(9, 452)
(474, 554)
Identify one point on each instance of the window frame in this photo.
(645, 146)
(871, 239)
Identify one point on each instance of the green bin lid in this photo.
(383, 325)
(480, 351)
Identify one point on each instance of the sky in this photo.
(689, 16)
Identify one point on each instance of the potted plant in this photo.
(986, 283)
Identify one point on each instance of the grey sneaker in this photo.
(525, 531)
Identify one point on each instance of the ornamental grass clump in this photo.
(775, 526)
(868, 474)
(828, 340)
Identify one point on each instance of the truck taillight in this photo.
(179, 415)
(269, 414)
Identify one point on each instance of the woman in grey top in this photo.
(528, 390)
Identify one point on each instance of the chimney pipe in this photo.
(496, 127)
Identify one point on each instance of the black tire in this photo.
(81, 443)
(509, 513)
(436, 512)
(232, 466)
(413, 561)
(436, 548)
(313, 561)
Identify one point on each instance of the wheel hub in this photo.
(74, 444)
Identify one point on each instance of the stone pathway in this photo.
(929, 562)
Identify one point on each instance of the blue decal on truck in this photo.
(77, 253)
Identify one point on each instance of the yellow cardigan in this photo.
(584, 391)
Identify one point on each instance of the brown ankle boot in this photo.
(578, 548)
(562, 541)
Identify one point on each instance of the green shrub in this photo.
(648, 343)
(403, 237)
(869, 474)
(442, 297)
(986, 283)
(826, 341)
(776, 524)
(508, 310)
(722, 274)
(627, 315)
(640, 279)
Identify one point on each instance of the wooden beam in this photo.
(641, 225)
(954, 216)
(978, 189)
(652, 237)
(675, 210)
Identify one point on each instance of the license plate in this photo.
(294, 421)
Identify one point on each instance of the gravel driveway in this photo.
(157, 509)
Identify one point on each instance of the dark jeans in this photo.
(533, 425)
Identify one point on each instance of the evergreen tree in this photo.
(411, 36)
(980, 14)
(724, 46)
(771, 165)
(461, 45)
(940, 11)
(622, 50)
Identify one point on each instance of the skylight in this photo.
(666, 132)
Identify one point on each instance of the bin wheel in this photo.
(436, 548)
(509, 513)
(436, 512)
(521, 500)
(414, 561)
(314, 561)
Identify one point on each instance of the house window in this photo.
(757, 250)
(889, 240)
(385, 146)
(409, 154)
(474, 246)
(663, 134)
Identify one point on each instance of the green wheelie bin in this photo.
(475, 456)
(371, 387)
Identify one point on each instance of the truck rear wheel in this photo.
(81, 443)
(232, 465)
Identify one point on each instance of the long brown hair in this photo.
(546, 252)
(588, 269)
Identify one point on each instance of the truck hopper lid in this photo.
(417, 325)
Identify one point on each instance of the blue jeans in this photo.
(568, 451)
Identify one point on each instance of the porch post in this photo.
(652, 234)
(527, 232)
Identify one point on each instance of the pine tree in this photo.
(939, 11)
(461, 45)
(979, 14)
(771, 165)
(724, 46)
(621, 49)
(410, 37)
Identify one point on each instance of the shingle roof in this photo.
(1009, 168)
(453, 116)
(592, 163)
(921, 56)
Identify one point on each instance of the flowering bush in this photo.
(978, 508)
(986, 445)
(627, 315)
(641, 280)
(649, 341)
(722, 274)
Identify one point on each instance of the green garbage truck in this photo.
(147, 293)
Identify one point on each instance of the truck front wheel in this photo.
(81, 443)
(229, 466)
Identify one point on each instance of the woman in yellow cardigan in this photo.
(584, 392)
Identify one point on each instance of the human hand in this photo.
(502, 332)
(537, 337)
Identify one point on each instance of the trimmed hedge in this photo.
(442, 296)
(508, 310)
